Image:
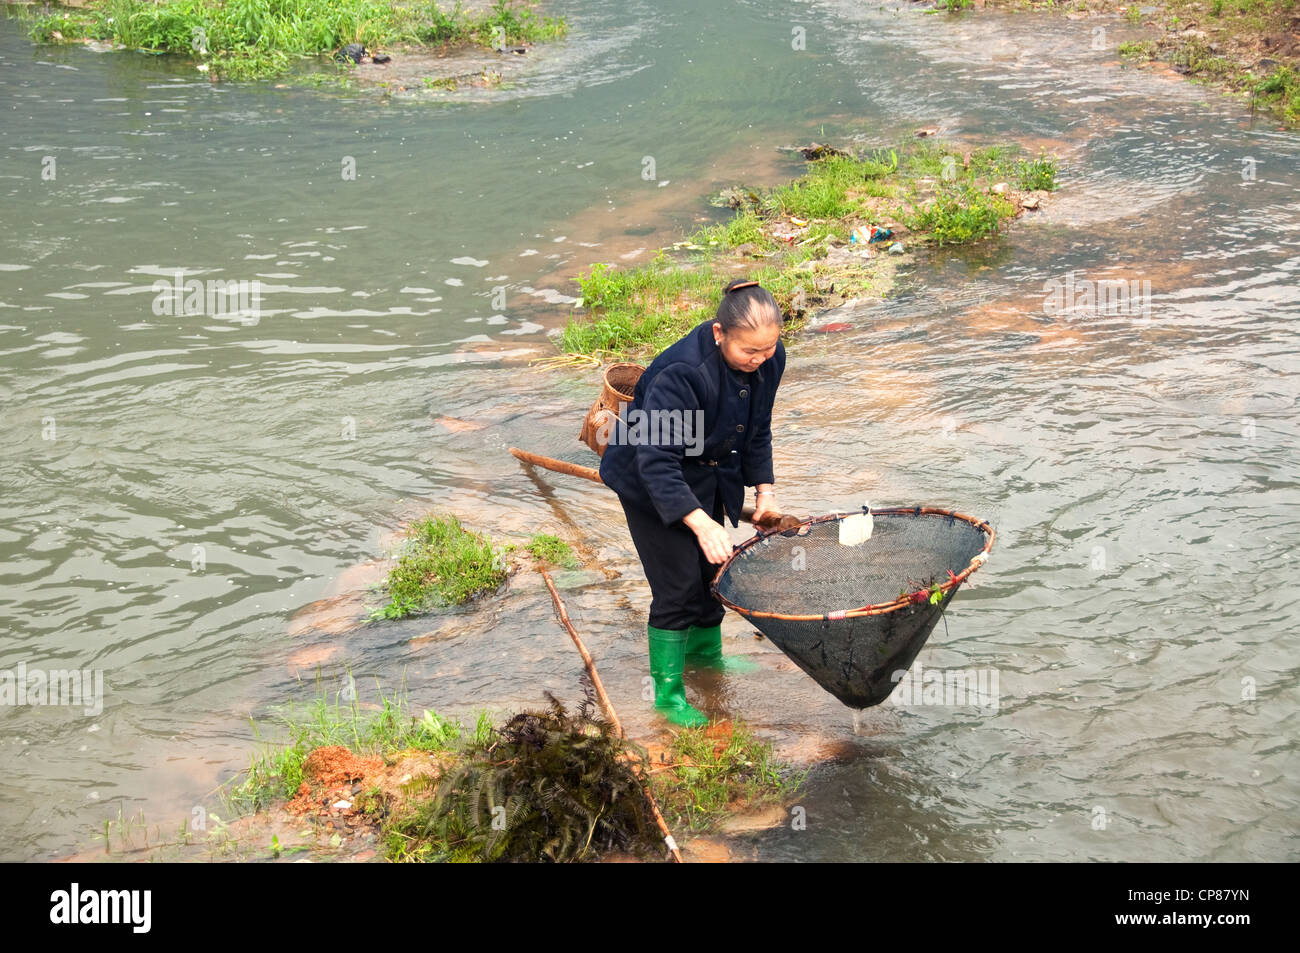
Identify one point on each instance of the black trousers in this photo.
(676, 568)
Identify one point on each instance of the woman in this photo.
(677, 486)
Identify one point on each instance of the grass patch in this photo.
(710, 777)
(1038, 174)
(647, 307)
(1280, 91)
(957, 217)
(940, 195)
(441, 563)
(249, 39)
(1146, 49)
(276, 772)
(553, 551)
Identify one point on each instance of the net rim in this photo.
(879, 608)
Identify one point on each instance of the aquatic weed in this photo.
(547, 785)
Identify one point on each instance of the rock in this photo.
(816, 150)
(381, 58)
(836, 315)
(927, 131)
(353, 52)
(896, 248)
(1030, 203)
(1000, 188)
(341, 805)
(746, 822)
(736, 197)
(845, 255)
(704, 851)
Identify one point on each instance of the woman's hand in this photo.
(712, 537)
(765, 509)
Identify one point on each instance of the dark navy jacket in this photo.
(665, 475)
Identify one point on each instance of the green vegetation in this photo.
(1142, 48)
(276, 772)
(549, 785)
(553, 551)
(708, 778)
(793, 239)
(249, 39)
(546, 786)
(1281, 92)
(956, 217)
(440, 563)
(1037, 174)
(562, 787)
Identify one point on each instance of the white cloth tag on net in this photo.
(856, 529)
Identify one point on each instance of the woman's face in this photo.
(744, 349)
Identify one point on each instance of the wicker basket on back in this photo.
(619, 385)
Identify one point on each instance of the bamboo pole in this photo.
(608, 707)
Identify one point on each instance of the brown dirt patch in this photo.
(349, 792)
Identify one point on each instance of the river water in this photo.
(177, 488)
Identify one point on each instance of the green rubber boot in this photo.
(704, 648)
(667, 655)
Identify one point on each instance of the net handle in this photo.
(880, 608)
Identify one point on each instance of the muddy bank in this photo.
(1249, 48)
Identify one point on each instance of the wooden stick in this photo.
(608, 707)
(587, 473)
(559, 466)
(605, 703)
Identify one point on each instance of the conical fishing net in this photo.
(852, 611)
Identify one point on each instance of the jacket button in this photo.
(740, 428)
(743, 392)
